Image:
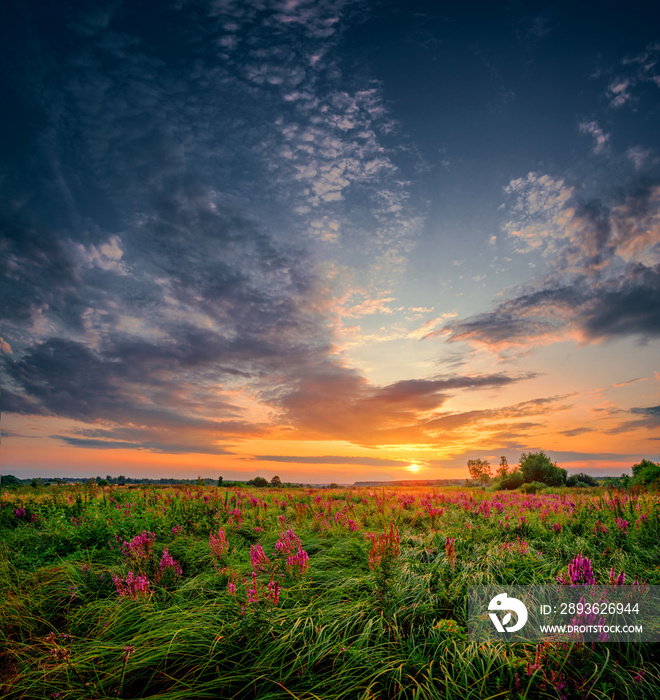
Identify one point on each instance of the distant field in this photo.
(299, 593)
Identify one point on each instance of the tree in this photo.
(536, 466)
(503, 469)
(276, 482)
(581, 480)
(10, 480)
(258, 481)
(513, 480)
(219, 481)
(479, 470)
(646, 472)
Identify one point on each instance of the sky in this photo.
(331, 240)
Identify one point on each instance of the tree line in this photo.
(536, 470)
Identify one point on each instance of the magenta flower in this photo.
(168, 568)
(260, 562)
(579, 573)
(617, 580)
(132, 587)
(218, 545)
(622, 524)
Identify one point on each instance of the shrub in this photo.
(532, 487)
(512, 481)
(536, 466)
(646, 472)
(581, 480)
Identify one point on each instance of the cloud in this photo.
(630, 381)
(636, 72)
(542, 208)
(601, 139)
(603, 262)
(574, 432)
(332, 459)
(638, 155)
(15, 403)
(344, 406)
(651, 421)
(165, 448)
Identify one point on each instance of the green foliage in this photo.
(382, 616)
(536, 466)
(479, 470)
(503, 469)
(581, 480)
(259, 482)
(646, 472)
(276, 482)
(513, 480)
(532, 487)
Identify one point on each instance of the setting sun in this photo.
(413, 468)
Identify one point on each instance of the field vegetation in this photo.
(215, 592)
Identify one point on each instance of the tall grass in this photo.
(380, 612)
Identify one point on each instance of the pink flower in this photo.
(258, 558)
(617, 580)
(579, 573)
(622, 524)
(132, 587)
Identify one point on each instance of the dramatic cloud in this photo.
(604, 262)
(227, 225)
(339, 404)
(332, 459)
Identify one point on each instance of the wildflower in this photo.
(622, 524)
(290, 546)
(599, 527)
(384, 548)
(218, 545)
(579, 573)
(138, 551)
(132, 587)
(640, 675)
(258, 558)
(168, 568)
(450, 550)
(617, 580)
(556, 527)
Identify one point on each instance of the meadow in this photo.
(210, 592)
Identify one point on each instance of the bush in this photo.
(532, 487)
(259, 482)
(536, 466)
(512, 481)
(646, 472)
(581, 480)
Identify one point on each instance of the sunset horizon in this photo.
(328, 241)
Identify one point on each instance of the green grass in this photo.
(340, 630)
